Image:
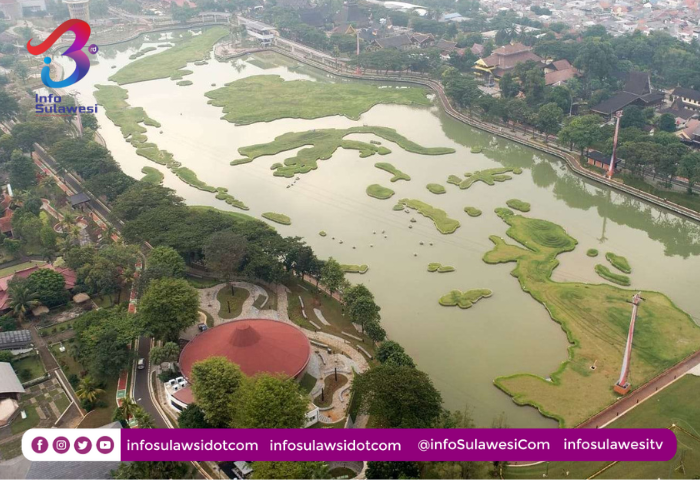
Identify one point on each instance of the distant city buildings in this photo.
(79, 9)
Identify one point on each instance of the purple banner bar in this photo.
(396, 445)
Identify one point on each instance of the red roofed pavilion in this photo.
(256, 345)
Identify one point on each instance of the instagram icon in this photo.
(61, 445)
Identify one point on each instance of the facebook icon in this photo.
(40, 445)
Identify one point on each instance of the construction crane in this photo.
(611, 169)
(623, 386)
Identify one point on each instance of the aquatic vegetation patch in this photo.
(132, 121)
(322, 233)
(277, 218)
(264, 98)
(321, 144)
(388, 167)
(170, 62)
(440, 268)
(398, 207)
(604, 272)
(141, 53)
(466, 299)
(477, 149)
(435, 188)
(442, 222)
(595, 318)
(618, 262)
(489, 177)
(152, 175)
(184, 83)
(362, 269)
(519, 205)
(592, 252)
(377, 191)
(472, 211)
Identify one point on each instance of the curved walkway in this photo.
(209, 303)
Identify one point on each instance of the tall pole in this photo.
(357, 36)
(622, 386)
(611, 169)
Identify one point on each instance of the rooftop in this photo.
(256, 345)
(9, 383)
(14, 338)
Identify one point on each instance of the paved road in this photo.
(140, 394)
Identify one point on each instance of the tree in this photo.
(391, 353)
(12, 246)
(509, 87)
(22, 173)
(154, 470)
(379, 470)
(632, 116)
(355, 292)
(127, 408)
(88, 390)
(167, 259)
(270, 401)
(6, 356)
(168, 352)
(22, 298)
(583, 132)
(283, 470)
(332, 275)
(168, 307)
(7, 146)
(364, 311)
(596, 58)
(143, 418)
(89, 119)
(50, 287)
(215, 383)
(398, 397)
(142, 197)
(182, 14)
(192, 417)
(224, 252)
(689, 168)
(667, 123)
(549, 118)
(8, 106)
(374, 331)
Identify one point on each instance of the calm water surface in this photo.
(462, 350)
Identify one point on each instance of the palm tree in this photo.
(128, 408)
(143, 418)
(321, 471)
(88, 391)
(22, 299)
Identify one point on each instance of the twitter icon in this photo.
(82, 445)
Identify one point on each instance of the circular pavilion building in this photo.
(256, 345)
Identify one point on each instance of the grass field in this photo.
(264, 98)
(152, 175)
(675, 404)
(595, 319)
(618, 262)
(330, 386)
(29, 368)
(277, 218)
(168, 63)
(472, 211)
(397, 174)
(240, 295)
(435, 188)
(20, 425)
(604, 272)
(4, 272)
(489, 177)
(377, 191)
(464, 299)
(322, 144)
(442, 222)
(519, 205)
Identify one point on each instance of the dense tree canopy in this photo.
(215, 384)
(168, 307)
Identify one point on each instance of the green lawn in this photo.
(11, 449)
(338, 424)
(330, 386)
(168, 63)
(308, 382)
(604, 272)
(676, 404)
(489, 177)
(202, 282)
(442, 222)
(62, 402)
(29, 368)
(235, 301)
(20, 425)
(595, 319)
(321, 144)
(277, 218)
(103, 416)
(65, 359)
(16, 268)
(377, 191)
(618, 262)
(397, 174)
(265, 98)
(519, 205)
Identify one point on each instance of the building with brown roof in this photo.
(69, 276)
(505, 59)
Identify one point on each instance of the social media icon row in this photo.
(82, 445)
